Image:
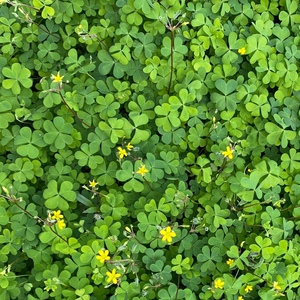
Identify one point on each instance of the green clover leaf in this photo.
(18, 76)
(59, 196)
(58, 133)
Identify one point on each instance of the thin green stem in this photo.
(28, 213)
(182, 211)
(253, 204)
(221, 169)
(71, 110)
(171, 59)
(178, 284)
(14, 200)
(148, 184)
(290, 208)
(46, 31)
(92, 36)
(58, 235)
(28, 18)
(16, 4)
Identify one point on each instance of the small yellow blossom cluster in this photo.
(228, 152)
(242, 51)
(167, 234)
(249, 288)
(56, 215)
(103, 256)
(123, 151)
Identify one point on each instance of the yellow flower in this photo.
(248, 288)
(93, 184)
(229, 262)
(142, 170)
(103, 256)
(240, 298)
(228, 153)
(112, 276)
(56, 215)
(61, 224)
(122, 152)
(219, 283)
(167, 234)
(242, 51)
(57, 78)
(129, 147)
(276, 286)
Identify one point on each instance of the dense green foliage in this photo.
(149, 149)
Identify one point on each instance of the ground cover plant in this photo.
(149, 149)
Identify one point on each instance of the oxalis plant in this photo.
(149, 149)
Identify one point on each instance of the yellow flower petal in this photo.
(228, 153)
(248, 288)
(167, 234)
(93, 183)
(61, 224)
(103, 256)
(56, 215)
(142, 170)
(129, 147)
(57, 78)
(242, 51)
(219, 283)
(112, 276)
(122, 152)
(229, 262)
(276, 286)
